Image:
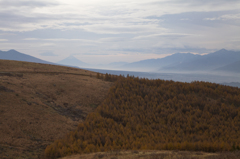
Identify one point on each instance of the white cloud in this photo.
(184, 19)
(211, 18)
(226, 17)
(70, 40)
(47, 44)
(30, 39)
(62, 40)
(165, 35)
(112, 39)
(3, 40)
(121, 28)
(231, 17)
(26, 3)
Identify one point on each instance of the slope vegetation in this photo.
(142, 114)
(40, 103)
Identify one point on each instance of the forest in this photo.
(143, 114)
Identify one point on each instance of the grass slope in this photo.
(40, 103)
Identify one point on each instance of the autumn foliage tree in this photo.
(140, 114)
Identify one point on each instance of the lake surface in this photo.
(233, 80)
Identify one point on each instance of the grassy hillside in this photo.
(40, 103)
(142, 114)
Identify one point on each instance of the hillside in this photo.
(40, 103)
(17, 56)
(142, 114)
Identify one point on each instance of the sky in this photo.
(105, 31)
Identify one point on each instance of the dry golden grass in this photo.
(40, 103)
(156, 155)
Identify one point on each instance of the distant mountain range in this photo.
(220, 61)
(213, 61)
(156, 64)
(17, 56)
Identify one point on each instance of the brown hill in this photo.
(142, 114)
(40, 103)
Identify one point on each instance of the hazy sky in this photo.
(104, 31)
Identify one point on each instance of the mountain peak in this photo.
(72, 61)
(12, 50)
(17, 56)
(222, 50)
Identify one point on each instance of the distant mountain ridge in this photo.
(207, 62)
(155, 64)
(222, 60)
(17, 56)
